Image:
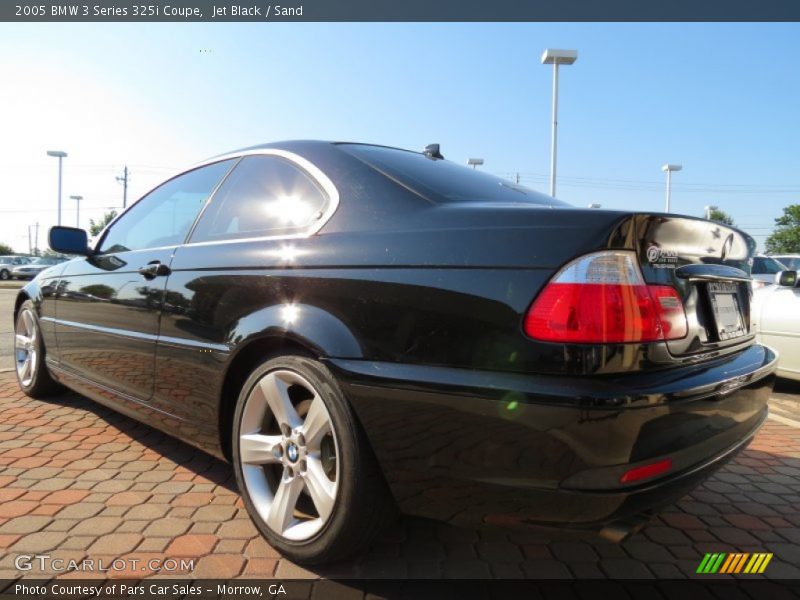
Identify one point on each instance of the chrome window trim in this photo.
(100, 237)
(304, 164)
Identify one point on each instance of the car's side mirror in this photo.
(69, 240)
(786, 278)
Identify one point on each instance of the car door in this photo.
(780, 326)
(108, 304)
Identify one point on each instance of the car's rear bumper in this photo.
(473, 446)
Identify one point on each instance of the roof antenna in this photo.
(432, 151)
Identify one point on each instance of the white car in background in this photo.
(8, 263)
(775, 317)
(790, 261)
(764, 270)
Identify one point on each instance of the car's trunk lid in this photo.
(708, 263)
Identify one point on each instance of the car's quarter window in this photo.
(265, 195)
(165, 216)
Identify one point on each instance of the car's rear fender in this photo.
(310, 326)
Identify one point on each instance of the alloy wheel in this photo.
(25, 344)
(289, 455)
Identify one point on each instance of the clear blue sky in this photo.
(720, 99)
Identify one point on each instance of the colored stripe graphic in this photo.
(729, 563)
(763, 565)
(734, 563)
(703, 564)
(711, 563)
(737, 563)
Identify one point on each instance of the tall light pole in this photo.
(60, 155)
(556, 58)
(78, 200)
(669, 169)
(474, 162)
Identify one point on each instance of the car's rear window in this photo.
(443, 180)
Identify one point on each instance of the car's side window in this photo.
(264, 196)
(165, 215)
(766, 266)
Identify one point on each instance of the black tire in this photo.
(41, 384)
(5, 274)
(363, 504)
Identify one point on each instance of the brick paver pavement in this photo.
(79, 481)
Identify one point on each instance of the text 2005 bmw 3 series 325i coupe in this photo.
(358, 328)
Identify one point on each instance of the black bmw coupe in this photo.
(359, 328)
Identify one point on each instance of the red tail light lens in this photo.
(602, 298)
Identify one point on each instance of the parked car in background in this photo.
(7, 264)
(358, 328)
(790, 261)
(776, 320)
(764, 269)
(36, 266)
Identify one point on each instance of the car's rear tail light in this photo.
(646, 471)
(602, 298)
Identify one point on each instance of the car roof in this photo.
(298, 146)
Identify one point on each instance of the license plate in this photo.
(727, 314)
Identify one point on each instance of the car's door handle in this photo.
(154, 269)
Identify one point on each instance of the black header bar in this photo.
(148, 11)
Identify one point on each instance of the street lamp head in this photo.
(475, 161)
(552, 56)
(57, 153)
(76, 197)
(668, 167)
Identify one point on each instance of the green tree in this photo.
(96, 227)
(720, 216)
(6, 249)
(785, 238)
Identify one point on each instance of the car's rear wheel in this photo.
(29, 354)
(306, 472)
(5, 274)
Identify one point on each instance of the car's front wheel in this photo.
(305, 470)
(5, 274)
(29, 353)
